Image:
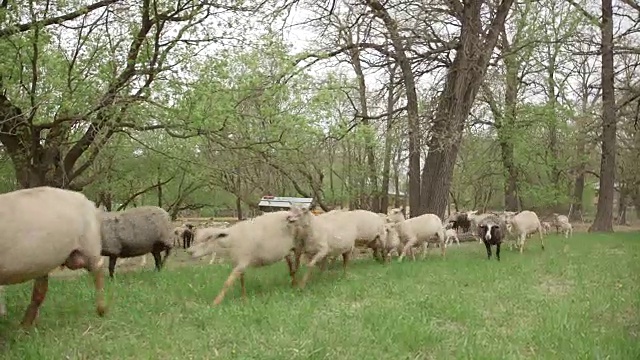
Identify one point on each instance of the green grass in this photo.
(579, 299)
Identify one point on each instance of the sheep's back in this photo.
(423, 226)
(338, 233)
(526, 222)
(262, 240)
(136, 230)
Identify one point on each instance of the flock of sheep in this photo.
(53, 228)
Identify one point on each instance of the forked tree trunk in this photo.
(461, 87)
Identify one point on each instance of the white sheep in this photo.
(390, 242)
(524, 223)
(451, 234)
(561, 222)
(45, 228)
(369, 228)
(328, 236)
(546, 226)
(256, 242)
(417, 230)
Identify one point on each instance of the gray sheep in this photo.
(46, 228)
(136, 232)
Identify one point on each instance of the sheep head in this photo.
(395, 215)
(206, 241)
(490, 230)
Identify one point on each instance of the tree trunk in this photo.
(603, 221)
(396, 177)
(506, 126)
(386, 167)
(239, 208)
(412, 103)
(159, 190)
(372, 174)
(578, 191)
(461, 87)
(622, 206)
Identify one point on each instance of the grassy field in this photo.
(579, 299)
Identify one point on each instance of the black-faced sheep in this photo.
(135, 232)
(45, 228)
(491, 232)
(460, 220)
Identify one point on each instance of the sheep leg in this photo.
(213, 257)
(541, 239)
(157, 257)
(317, 257)
(345, 260)
(227, 284)
(523, 238)
(3, 302)
(498, 251)
(244, 289)
(425, 249)
(167, 251)
(323, 263)
(292, 270)
(112, 265)
(441, 237)
(457, 240)
(408, 246)
(40, 287)
(376, 254)
(488, 246)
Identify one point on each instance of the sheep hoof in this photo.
(102, 310)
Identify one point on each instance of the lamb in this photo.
(524, 223)
(491, 230)
(417, 230)
(391, 241)
(561, 222)
(135, 232)
(261, 241)
(328, 236)
(546, 226)
(183, 232)
(45, 228)
(450, 234)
